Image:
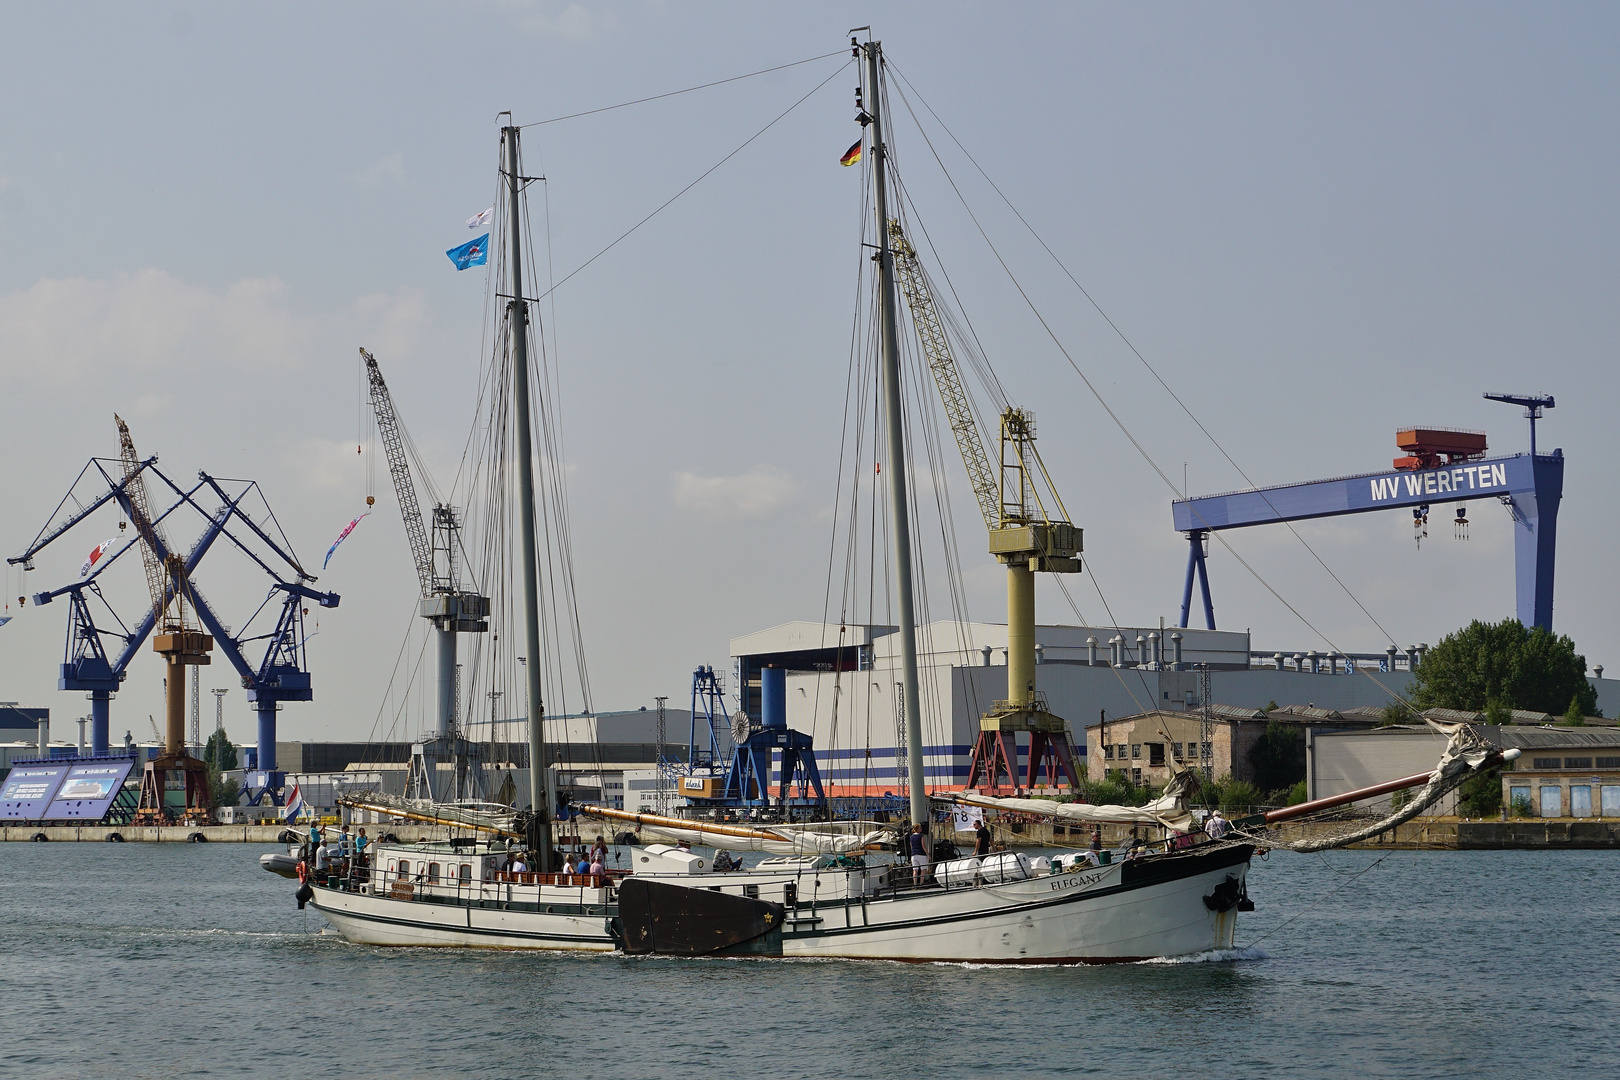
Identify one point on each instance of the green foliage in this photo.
(1396, 712)
(1573, 716)
(1498, 714)
(219, 752)
(1521, 806)
(221, 791)
(1235, 796)
(1271, 707)
(1507, 663)
(1296, 794)
(1118, 790)
(1278, 758)
(1480, 795)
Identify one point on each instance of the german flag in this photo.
(852, 155)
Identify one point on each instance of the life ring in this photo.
(303, 872)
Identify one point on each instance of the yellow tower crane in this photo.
(175, 637)
(1026, 535)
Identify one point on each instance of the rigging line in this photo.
(688, 90)
(1140, 449)
(692, 185)
(1318, 901)
(1136, 352)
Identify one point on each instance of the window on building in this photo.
(433, 872)
(1552, 802)
(1108, 752)
(1577, 763)
(1546, 763)
(1580, 800)
(466, 873)
(1610, 804)
(1119, 751)
(404, 868)
(1155, 753)
(1136, 750)
(1136, 776)
(1176, 747)
(1608, 762)
(1519, 799)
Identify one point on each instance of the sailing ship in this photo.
(825, 890)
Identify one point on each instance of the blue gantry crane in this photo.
(88, 665)
(1441, 466)
(744, 781)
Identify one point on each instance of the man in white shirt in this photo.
(1215, 827)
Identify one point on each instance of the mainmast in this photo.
(518, 325)
(899, 514)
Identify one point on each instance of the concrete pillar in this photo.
(1141, 651)
(987, 650)
(1390, 652)
(45, 737)
(1316, 662)
(1278, 658)
(100, 721)
(1411, 658)
(1156, 650)
(1091, 654)
(1299, 662)
(1040, 653)
(1175, 651)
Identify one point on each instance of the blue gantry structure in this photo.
(280, 675)
(1530, 486)
(755, 742)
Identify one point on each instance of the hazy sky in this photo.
(1317, 222)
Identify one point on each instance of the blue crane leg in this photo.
(1186, 590)
(1203, 584)
(1535, 540)
(100, 720)
(267, 736)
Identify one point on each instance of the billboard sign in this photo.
(27, 791)
(88, 790)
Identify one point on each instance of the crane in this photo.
(452, 609)
(178, 640)
(1025, 535)
(281, 676)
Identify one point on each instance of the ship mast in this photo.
(518, 325)
(899, 515)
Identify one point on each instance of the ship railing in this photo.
(354, 876)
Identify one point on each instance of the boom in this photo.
(157, 582)
(382, 403)
(935, 346)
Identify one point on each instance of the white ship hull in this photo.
(1124, 911)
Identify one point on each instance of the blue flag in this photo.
(472, 253)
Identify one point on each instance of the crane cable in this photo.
(1119, 423)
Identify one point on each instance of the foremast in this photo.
(518, 325)
(899, 507)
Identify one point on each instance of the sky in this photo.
(1316, 222)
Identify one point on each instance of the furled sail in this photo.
(822, 838)
(1169, 810)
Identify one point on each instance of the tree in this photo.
(1278, 757)
(1573, 716)
(1480, 796)
(219, 752)
(1505, 663)
(1497, 714)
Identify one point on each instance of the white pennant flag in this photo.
(481, 221)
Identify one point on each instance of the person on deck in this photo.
(1096, 838)
(917, 845)
(314, 836)
(323, 859)
(981, 844)
(584, 865)
(1215, 825)
(597, 871)
(599, 851)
